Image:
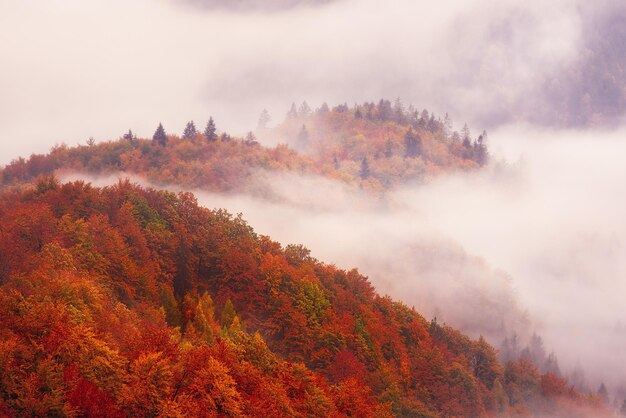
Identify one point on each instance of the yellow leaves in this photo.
(312, 301)
(216, 389)
(55, 257)
(228, 314)
(97, 361)
(203, 320)
(40, 393)
(148, 385)
(257, 353)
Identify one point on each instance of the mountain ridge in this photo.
(112, 299)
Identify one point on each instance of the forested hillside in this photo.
(375, 146)
(124, 301)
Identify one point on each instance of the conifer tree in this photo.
(190, 130)
(399, 113)
(305, 110)
(433, 124)
(465, 134)
(447, 125)
(423, 120)
(159, 137)
(603, 393)
(250, 139)
(551, 365)
(412, 144)
(209, 131)
(385, 111)
(129, 136)
(228, 314)
(264, 119)
(481, 155)
(293, 112)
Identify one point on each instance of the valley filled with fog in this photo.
(530, 244)
(534, 242)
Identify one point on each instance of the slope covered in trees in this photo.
(399, 144)
(125, 301)
(394, 144)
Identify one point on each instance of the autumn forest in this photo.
(133, 301)
(313, 208)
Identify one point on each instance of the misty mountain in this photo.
(577, 79)
(591, 90)
(373, 145)
(124, 301)
(150, 299)
(571, 75)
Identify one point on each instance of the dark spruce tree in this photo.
(293, 112)
(250, 139)
(412, 144)
(264, 119)
(385, 111)
(190, 130)
(159, 137)
(399, 114)
(304, 110)
(481, 155)
(209, 131)
(129, 136)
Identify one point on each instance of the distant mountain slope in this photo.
(591, 90)
(124, 301)
(375, 146)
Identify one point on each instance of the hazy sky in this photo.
(74, 69)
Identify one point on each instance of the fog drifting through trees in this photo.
(548, 223)
(530, 244)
